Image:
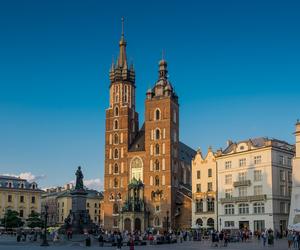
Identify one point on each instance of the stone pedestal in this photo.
(79, 219)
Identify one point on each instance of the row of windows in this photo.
(242, 191)
(209, 173)
(282, 160)
(242, 176)
(209, 187)
(243, 208)
(10, 184)
(125, 93)
(22, 199)
(210, 203)
(242, 162)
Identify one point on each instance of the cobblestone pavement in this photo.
(9, 243)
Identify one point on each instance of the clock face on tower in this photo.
(136, 168)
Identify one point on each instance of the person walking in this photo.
(289, 239)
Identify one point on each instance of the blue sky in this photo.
(234, 64)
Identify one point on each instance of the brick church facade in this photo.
(147, 179)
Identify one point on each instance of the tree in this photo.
(11, 219)
(34, 220)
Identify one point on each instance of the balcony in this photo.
(244, 199)
(242, 183)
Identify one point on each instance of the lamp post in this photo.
(45, 242)
(220, 224)
(167, 220)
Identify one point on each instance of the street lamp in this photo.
(45, 242)
(167, 220)
(220, 224)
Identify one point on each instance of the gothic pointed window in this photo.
(116, 124)
(116, 168)
(116, 183)
(157, 165)
(157, 134)
(157, 180)
(157, 114)
(116, 111)
(157, 149)
(116, 139)
(116, 153)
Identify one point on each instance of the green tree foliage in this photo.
(34, 220)
(11, 219)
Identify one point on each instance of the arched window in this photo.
(116, 153)
(116, 139)
(229, 209)
(157, 180)
(115, 209)
(156, 222)
(119, 196)
(210, 223)
(199, 206)
(244, 208)
(157, 149)
(116, 168)
(116, 183)
(157, 114)
(258, 208)
(116, 111)
(199, 222)
(111, 196)
(116, 124)
(157, 134)
(157, 165)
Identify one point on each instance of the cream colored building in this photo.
(204, 189)
(59, 201)
(254, 184)
(295, 201)
(19, 195)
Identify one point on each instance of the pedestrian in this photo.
(131, 243)
(101, 240)
(290, 239)
(264, 237)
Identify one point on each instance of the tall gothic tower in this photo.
(121, 129)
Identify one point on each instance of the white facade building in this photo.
(295, 200)
(254, 184)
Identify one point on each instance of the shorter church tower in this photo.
(161, 146)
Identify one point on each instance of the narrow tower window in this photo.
(116, 111)
(116, 153)
(157, 114)
(116, 169)
(116, 139)
(116, 124)
(157, 134)
(157, 149)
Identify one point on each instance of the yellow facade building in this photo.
(59, 201)
(19, 195)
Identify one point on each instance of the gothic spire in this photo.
(122, 61)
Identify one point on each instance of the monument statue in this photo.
(79, 219)
(79, 179)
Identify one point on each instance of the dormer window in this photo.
(9, 184)
(33, 186)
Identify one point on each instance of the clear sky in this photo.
(234, 64)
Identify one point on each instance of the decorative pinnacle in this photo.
(122, 20)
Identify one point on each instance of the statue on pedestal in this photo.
(79, 179)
